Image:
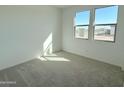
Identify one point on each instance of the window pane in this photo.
(105, 33)
(82, 18)
(81, 32)
(106, 15)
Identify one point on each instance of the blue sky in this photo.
(82, 18)
(102, 16)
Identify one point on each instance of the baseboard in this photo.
(57, 51)
(79, 54)
(12, 65)
(122, 68)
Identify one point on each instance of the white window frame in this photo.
(82, 25)
(115, 24)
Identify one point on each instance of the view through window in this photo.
(82, 24)
(105, 23)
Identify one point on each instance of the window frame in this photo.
(108, 24)
(82, 25)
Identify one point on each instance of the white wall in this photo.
(24, 29)
(112, 53)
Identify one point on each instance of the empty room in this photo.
(61, 46)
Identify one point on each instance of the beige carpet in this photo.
(62, 70)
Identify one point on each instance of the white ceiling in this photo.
(63, 6)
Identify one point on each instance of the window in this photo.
(82, 24)
(105, 23)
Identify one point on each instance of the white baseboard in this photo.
(14, 64)
(122, 68)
